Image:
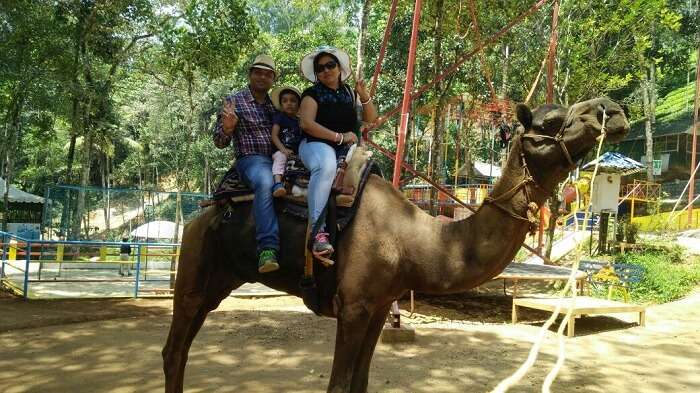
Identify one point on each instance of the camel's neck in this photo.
(474, 250)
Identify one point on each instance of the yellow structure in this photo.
(640, 191)
(12, 250)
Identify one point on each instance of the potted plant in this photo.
(631, 232)
(620, 231)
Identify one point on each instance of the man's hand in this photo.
(229, 118)
(287, 152)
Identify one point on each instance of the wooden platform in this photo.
(527, 271)
(584, 305)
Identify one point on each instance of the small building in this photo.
(478, 172)
(606, 185)
(23, 211)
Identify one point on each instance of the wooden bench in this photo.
(584, 305)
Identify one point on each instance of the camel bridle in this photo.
(528, 180)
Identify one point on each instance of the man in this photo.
(246, 120)
(124, 255)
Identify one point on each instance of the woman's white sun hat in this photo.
(275, 95)
(307, 62)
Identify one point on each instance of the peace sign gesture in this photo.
(229, 118)
(362, 91)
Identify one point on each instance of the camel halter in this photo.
(558, 138)
(532, 207)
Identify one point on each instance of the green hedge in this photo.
(669, 274)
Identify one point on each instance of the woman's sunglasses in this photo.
(328, 66)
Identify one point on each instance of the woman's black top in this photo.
(336, 109)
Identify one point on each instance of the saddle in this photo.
(352, 170)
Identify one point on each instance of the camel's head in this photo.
(555, 137)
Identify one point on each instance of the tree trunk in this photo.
(504, 81)
(106, 209)
(176, 238)
(648, 132)
(84, 180)
(362, 40)
(436, 146)
(554, 203)
(12, 135)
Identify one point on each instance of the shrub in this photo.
(669, 274)
(631, 232)
(620, 231)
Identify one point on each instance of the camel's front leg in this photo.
(353, 322)
(201, 285)
(361, 375)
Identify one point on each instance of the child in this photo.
(286, 133)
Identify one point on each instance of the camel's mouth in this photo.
(616, 128)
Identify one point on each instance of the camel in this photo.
(390, 247)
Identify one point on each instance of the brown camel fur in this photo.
(390, 247)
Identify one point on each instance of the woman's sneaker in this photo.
(278, 190)
(321, 244)
(267, 261)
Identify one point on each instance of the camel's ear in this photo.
(524, 115)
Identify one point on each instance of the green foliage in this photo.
(631, 230)
(669, 274)
(207, 36)
(620, 230)
(143, 79)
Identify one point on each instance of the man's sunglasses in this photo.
(328, 66)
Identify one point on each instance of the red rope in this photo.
(482, 58)
(455, 66)
(382, 51)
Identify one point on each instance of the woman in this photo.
(329, 122)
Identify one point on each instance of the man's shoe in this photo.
(278, 190)
(322, 245)
(267, 262)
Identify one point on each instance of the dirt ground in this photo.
(464, 343)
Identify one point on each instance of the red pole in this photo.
(550, 93)
(403, 126)
(407, 90)
(696, 109)
(382, 51)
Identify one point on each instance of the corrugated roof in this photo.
(669, 125)
(612, 162)
(17, 195)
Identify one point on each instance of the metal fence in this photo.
(109, 214)
(86, 269)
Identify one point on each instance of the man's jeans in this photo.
(256, 172)
(320, 159)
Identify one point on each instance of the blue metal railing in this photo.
(14, 246)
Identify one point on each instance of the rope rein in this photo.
(570, 285)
